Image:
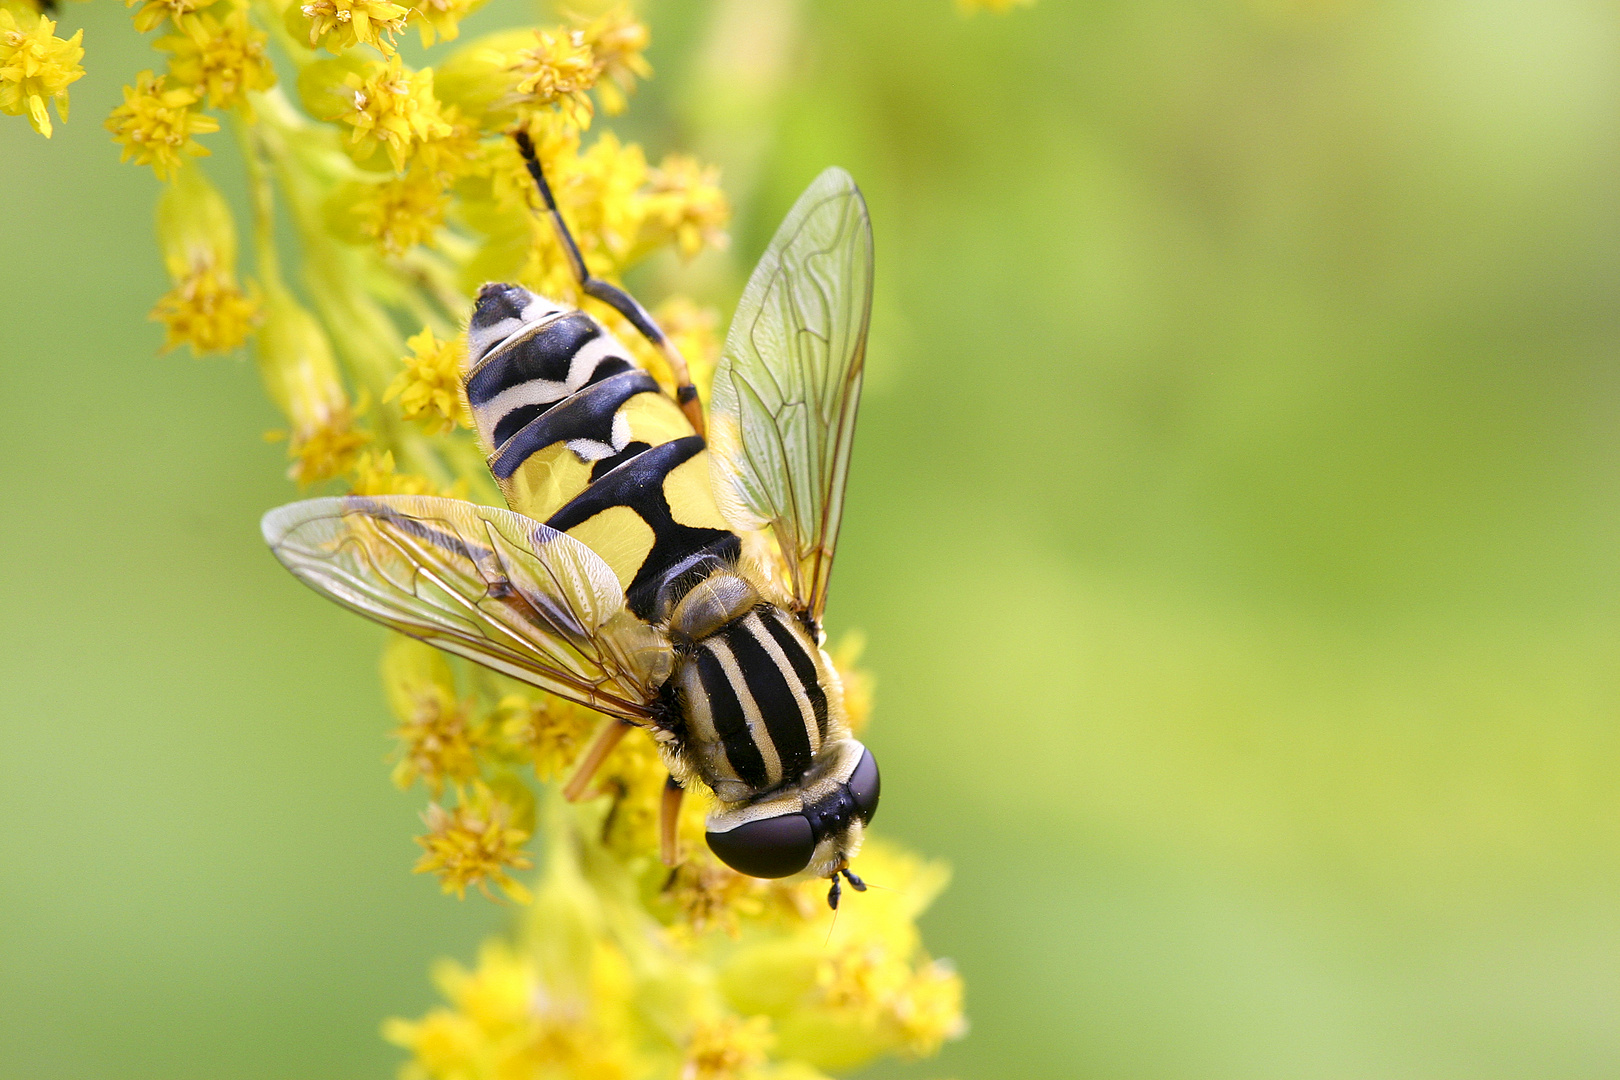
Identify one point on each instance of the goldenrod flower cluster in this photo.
(380, 197)
(36, 66)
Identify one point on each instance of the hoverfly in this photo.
(670, 580)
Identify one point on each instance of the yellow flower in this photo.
(726, 1048)
(153, 12)
(392, 107)
(429, 389)
(996, 7)
(506, 1022)
(374, 474)
(401, 212)
(439, 738)
(300, 373)
(600, 191)
(869, 990)
(324, 451)
(617, 41)
(441, 18)
(155, 125)
(207, 311)
(475, 842)
(336, 25)
(547, 730)
(36, 65)
(557, 71)
(221, 60)
(684, 201)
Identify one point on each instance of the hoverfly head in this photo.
(816, 826)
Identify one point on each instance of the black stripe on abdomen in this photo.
(545, 353)
(585, 415)
(730, 723)
(778, 706)
(677, 549)
(803, 666)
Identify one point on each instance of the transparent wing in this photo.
(782, 412)
(487, 584)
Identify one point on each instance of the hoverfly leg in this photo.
(856, 883)
(612, 295)
(669, 819)
(833, 893)
(603, 745)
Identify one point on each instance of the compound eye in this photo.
(865, 786)
(772, 847)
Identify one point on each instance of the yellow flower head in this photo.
(726, 1048)
(684, 201)
(374, 474)
(221, 60)
(556, 72)
(429, 389)
(156, 125)
(301, 376)
(153, 12)
(617, 41)
(475, 842)
(441, 18)
(547, 730)
(995, 7)
(207, 311)
(392, 107)
(439, 739)
(324, 451)
(400, 212)
(336, 25)
(36, 66)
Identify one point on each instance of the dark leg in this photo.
(833, 893)
(669, 819)
(612, 295)
(856, 883)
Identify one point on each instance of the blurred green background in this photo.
(1234, 525)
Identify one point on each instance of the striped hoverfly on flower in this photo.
(668, 577)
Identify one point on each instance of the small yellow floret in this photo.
(207, 311)
(439, 739)
(557, 72)
(341, 24)
(995, 7)
(374, 474)
(156, 125)
(440, 18)
(36, 66)
(403, 211)
(617, 41)
(685, 202)
(429, 389)
(221, 60)
(726, 1048)
(547, 730)
(153, 12)
(474, 843)
(393, 107)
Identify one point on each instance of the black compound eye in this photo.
(865, 786)
(771, 847)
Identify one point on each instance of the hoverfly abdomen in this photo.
(586, 441)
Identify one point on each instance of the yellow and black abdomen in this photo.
(586, 441)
